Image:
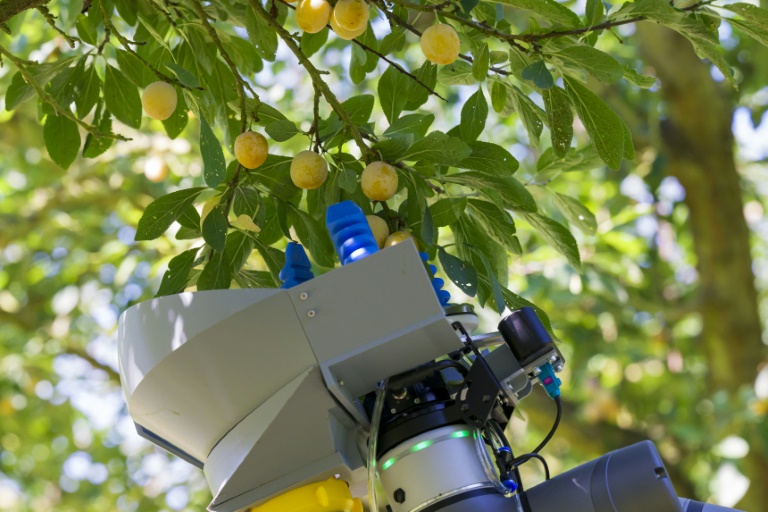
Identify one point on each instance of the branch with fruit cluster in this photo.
(530, 62)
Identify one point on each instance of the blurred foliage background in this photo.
(662, 329)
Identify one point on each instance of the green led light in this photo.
(421, 446)
(463, 433)
(387, 464)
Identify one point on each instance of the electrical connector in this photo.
(549, 380)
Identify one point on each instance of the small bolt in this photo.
(536, 372)
(559, 368)
(303, 295)
(341, 382)
(311, 313)
(553, 359)
(465, 408)
(400, 496)
(416, 400)
(393, 410)
(486, 399)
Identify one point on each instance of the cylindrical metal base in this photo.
(438, 465)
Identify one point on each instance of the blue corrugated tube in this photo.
(297, 268)
(444, 296)
(350, 233)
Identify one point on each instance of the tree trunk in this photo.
(699, 145)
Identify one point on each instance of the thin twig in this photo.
(51, 19)
(316, 121)
(126, 44)
(46, 97)
(314, 74)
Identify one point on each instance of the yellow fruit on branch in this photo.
(397, 237)
(440, 44)
(312, 15)
(379, 181)
(251, 149)
(159, 100)
(344, 33)
(308, 170)
(351, 15)
(379, 228)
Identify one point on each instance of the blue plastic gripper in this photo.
(350, 233)
(444, 296)
(297, 268)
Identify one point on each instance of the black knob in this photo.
(400, 496)
(526, 335)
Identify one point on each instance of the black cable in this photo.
(528, 456)
(541, 446)
(500, 433)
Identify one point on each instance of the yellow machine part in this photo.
(332, 495)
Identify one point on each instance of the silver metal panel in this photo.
(372, 319)
(299, 427)
(196, 394)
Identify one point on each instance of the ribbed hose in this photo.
(373, 436)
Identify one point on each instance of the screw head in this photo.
(311, 313)
(341, 382)
(559, 368)
(464, 408)
(303, 295)
(416, 400)
(486, 399)
(536, 371)
(393, 410)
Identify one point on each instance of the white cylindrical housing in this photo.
(430, 467)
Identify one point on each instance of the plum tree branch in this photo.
(21, 65)
(10, 8)
(314, 74)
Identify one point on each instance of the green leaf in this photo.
(127, 11)
(639, 80)
(163, 211)
(497, 223)
(254, 279)
(549, 10)
(176, 277)
(438, 148)
(427, 231)
(214, 165)
(463, 275)
(602, 124)
(473, 116)
(348, 180)
(357, 64)
(498, 96)
(556, 235)
(418, 94)
(20, 91)
(215, 227)
(576, 213)
(416, 124)
(393, 42)
(538, 73)
(313, 236)
(359, 108)
(447, 211)
(490, 158)
(185, 76)
(122, 97)
(190, 218)
(62, 139)
(261, 35)
(274, 259)
(507, 189)
(151, 27)
(282, 131)
(393, 93)
(458, 73)
(95, 146)
(175, 124)
(312, 43)
(238, 247)
(481, 63)
(598, 64)
(392, 148)
(560, 116)
(87, 91)
(753, 21)
(216, 275)
(275, 174)
(629, 145)
(594, 12)
(530, 113)
(132, 68)
(246, 201)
